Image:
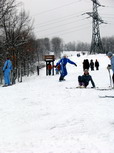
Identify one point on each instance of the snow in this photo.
(40, 115)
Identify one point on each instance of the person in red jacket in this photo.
(49, 67)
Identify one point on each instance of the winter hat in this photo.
(86, 70)
(109, 54)
(65, 55)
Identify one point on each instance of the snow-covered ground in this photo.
(40, 115)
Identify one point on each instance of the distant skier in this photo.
(7, 70)
(84, 80)
(97, 64)
(111, 57)
(63, 70)
(91, 65)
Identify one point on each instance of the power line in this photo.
(73, 31)
(56, 20)
(67, 29)
(56, 8)
(63, 24)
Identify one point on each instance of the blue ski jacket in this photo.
(112, 63)
(63, 63)
(7, 69)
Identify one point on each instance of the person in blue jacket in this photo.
(63, 70)
(84, 80)
(7, 70)
(111, 57)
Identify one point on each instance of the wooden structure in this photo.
(49, 59)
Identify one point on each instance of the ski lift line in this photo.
(56, 8)
(67, 29)
(65, 32)
(63, 24)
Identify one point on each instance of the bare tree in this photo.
(16, 30)
(6, 6)
(57, 46)
(108, 44)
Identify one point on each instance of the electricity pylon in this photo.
(96, 43)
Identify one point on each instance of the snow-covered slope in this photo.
(40, 115)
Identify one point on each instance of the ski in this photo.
(103, 89)
(106, 96)
(70, 87)
(78, 88)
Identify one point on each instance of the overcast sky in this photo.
(63, 18)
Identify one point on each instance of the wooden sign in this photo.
(49, 57)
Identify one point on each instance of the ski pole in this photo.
(110, 77)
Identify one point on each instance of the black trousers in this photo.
(113, 78)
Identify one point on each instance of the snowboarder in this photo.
(91, 65)
(97, 64)
(111, 57)
(7, 70)
(84, 80)
(63, 70)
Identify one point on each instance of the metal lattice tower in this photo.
(96, 43)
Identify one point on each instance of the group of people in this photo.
(86, 77)
(91, 64)
(83, 80)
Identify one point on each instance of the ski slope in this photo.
(40, 115)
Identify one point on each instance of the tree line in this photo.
(18, 41)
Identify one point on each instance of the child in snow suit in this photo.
(84, 79)
(63, 70)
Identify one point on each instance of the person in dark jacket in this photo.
(97, 64)
(63, 62)
(84, 79)
(86, 64)
(7, 70)
(91, 65)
